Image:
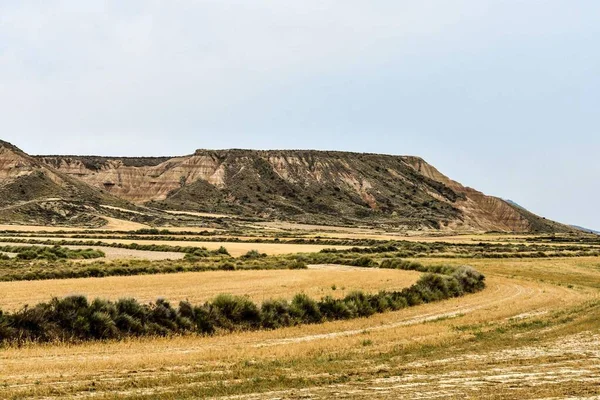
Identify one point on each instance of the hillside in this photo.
(304, 186)
(33, 193)
(586, 230)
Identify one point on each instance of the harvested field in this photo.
(113, 253)
(198, 287)
(577, 272)
(115, 224)
(464, 347)
(532, 333)
(236, 249)
(311, 228)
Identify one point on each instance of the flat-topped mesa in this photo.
(310, 186)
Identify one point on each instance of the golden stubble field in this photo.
(198, 287)
(533, 333)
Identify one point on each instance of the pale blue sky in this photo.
(500, 95)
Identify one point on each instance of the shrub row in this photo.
(198, 252)
(384, 248)
(74, 318)
(398, 263)
(51, 253)
(68, 271)
(193, 237)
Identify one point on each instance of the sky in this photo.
(501, 95)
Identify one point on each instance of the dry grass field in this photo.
(533, 333)
(234, 248)
(113, 224)
(198, 287)
(517, 339)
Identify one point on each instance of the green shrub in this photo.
(236, 310)
(253, 255)
(360, 303)
(227, 266)
(305, 309)
(332, 309)
(298, 265)
(222, 250)
(275, 314)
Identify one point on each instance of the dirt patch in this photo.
(122, 225)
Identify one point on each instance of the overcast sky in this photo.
(503, 96)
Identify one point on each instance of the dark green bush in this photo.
(276, 314)
(252, 255)
(298, 265)
(236, 311)
(335, 309)
(305, 309)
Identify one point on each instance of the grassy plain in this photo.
(533, 333)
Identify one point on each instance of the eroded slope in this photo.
(304, 186)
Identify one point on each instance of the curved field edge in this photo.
(512, 325)
(74, 318)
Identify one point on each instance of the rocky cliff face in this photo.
(305, 186)
(133, 183)
(32, 192)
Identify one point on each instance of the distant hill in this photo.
(515, 204)
(320, 187)
(579, 228)
(586, 229)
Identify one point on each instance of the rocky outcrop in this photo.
(32, 192)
